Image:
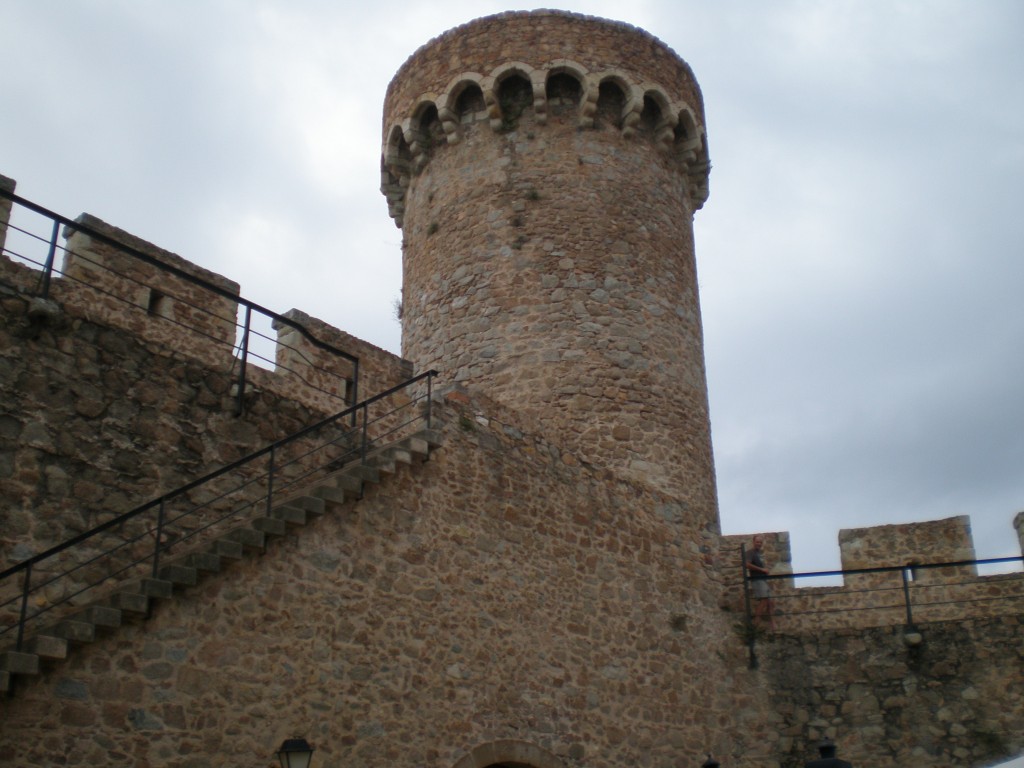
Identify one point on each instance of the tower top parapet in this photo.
(494, 68)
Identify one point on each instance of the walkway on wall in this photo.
(156, 294)
(906, 596)
(94, 582)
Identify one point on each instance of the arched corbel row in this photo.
(577, 72)
(664, 126)
(470, 96)
(499, 114)
(448, 104)
(621, 82)
(632, 111)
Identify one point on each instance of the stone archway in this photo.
(509, 753)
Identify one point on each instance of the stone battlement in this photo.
(427, 108)
(160, 297)
(877, 599)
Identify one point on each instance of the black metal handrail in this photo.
(249, 307)
(316, 450)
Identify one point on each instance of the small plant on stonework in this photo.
(396, 305)
(432, 228)
(517, 221)
(466, 423)
(678, 622)
(533, 194)
(519, 242)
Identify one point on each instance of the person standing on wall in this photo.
(757, 570)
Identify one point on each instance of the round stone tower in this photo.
(544, 168)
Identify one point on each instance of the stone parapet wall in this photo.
(6, 185)
(108, 285)
(957, 699)
(880, 599)
(105, 284)
(106, 406)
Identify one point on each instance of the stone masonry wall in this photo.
(879, 599)
(498, 592)
(957, 699)
(106, 406)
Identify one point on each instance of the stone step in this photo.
(330, 494)
(130, 601)
(100, 616)
(203, 561)
(228, 548)
(247, 537)
(432, 437)
(17, 663)
(272, 526)
(384, 464)
(347, 482)
(401, 455)
(75, 630)
(158, 588)
(48, 647)
(289, 514)
(180, 574)
(366, 473)
(311, 504)
(417, 446)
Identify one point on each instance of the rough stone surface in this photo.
(548, 254)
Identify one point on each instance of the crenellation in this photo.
(112, 286)
(880, 599)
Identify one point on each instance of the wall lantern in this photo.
(295, 753)
(710, 763)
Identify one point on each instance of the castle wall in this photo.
(880, 599)
(106, 405)
(957, 699)
(498, 592)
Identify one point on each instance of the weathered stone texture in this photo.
(496, 591)
(955, 700)
(97, 420)
(880, 599)
(551, 263)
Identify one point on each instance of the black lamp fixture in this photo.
(710, 763)
(828, 759)
(295, 753)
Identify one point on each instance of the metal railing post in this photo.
(430, 398)
(365, 438)
(906, 594)
(239, 405)
(270, 482)
(159, 537)
(48, 267)
(749, 625)
(23, 616)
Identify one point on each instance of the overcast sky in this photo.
(860, 256)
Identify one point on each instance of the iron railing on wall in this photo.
(53, 584)
(43, 237)
(901, 600)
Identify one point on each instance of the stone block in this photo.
(48, 647)
(19, 663)
(270, 525)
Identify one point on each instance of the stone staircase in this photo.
(132, 600)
